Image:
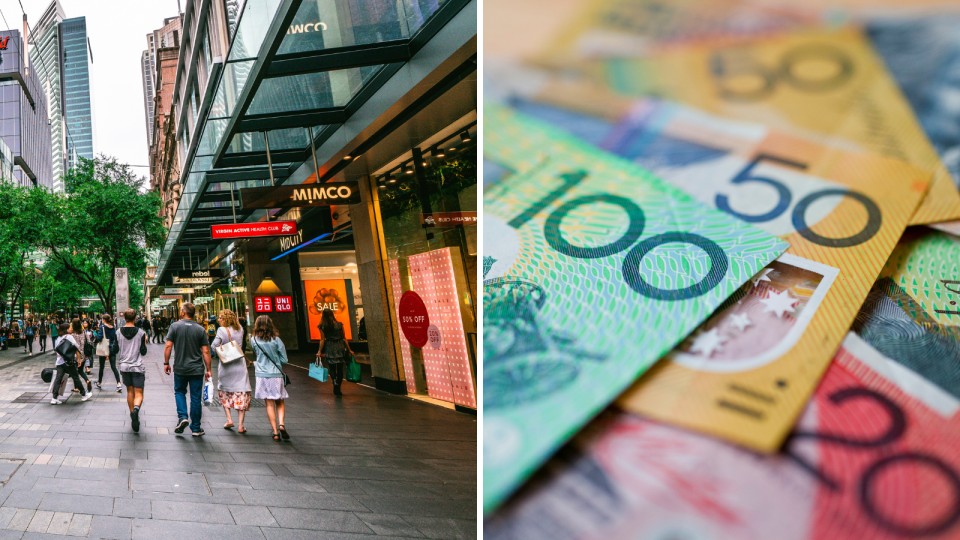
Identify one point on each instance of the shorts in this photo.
(132, 378)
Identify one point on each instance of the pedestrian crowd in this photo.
(81, 344)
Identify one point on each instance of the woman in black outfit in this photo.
(108, 334)
(334, 348)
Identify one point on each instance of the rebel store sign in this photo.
(254, 230)
(300, 195)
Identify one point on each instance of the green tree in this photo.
(16, 244)
(102, 223)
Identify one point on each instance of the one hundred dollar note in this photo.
(828, 83)
(746, 374)
(873, 456)
(593, 269)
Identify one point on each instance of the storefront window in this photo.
(427, 213)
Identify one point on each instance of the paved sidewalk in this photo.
(368, 465)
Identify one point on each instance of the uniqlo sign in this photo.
(263, 303)
(284, 303)
(253, 230)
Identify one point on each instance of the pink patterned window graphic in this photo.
(446, 359)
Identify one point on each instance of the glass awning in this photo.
(295, 72)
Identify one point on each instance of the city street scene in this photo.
(238, 269)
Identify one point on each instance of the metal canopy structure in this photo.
(282, 92)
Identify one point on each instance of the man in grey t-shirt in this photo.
(191, 366)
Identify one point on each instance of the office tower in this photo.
(23, 126)
(164, 37)
(60, 53)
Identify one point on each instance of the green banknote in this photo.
(593, 270)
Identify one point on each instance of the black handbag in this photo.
(46, 375)
(67, 349)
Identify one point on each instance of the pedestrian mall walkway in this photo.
(369, 465)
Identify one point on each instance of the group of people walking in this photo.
(187, 356)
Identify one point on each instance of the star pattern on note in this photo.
(741, 321)
(779, 303)
(708, 342)
(762, 276)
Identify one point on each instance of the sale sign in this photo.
(263, 304)
(324, 294)
(253, 230)
(414, 321)
(284, 303)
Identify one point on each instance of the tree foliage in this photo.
(103, 222)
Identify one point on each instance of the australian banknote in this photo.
(828, 83)
(747, 372)
(873, 456)
(923, 54)
(593, 270)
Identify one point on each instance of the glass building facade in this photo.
(63, 59)
(78, 111)
(23, 118)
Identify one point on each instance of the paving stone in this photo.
(192, 512)
(21, 519)
(111, 527)
(40, 522)
(320, 520)
(60, 523)
(443, 528)
(132, 508)
(259, 516)
(388, 524)
(156, 529)
(80, 525)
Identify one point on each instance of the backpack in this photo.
(30, 331)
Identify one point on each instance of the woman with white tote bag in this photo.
(233, 379)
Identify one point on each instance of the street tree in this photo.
(103, 222)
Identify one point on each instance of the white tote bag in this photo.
(103, 348)
(229, 351)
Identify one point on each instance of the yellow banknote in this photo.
(747, 372)
(828, 83)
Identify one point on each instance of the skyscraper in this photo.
(61, 55)
(23, 126)
(165, 37)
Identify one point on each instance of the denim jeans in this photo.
(195, 382)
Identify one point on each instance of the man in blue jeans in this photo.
(191, 366)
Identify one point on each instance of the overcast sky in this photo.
(118, 35)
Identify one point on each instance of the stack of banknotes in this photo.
(721, 270)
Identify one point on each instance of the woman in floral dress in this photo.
(233, 380)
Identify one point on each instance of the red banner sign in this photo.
(414, 320)
(263, 303)
(284, 303)
(252, 230)
(448, 219)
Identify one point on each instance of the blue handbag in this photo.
(318, 372)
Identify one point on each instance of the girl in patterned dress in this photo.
(233, 381)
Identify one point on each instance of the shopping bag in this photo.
(208, 392)
(318, 372)
(353, 372)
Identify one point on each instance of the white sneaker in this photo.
(55, 401)
(86, 397)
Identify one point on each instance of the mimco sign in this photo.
(301, 195)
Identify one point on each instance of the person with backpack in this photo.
(54, 328)
(133, 346)
(107, 348)
(30, 333)
(334, 348)
(67, 361)
(271, 381)
(42, 335)
(80, 337)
